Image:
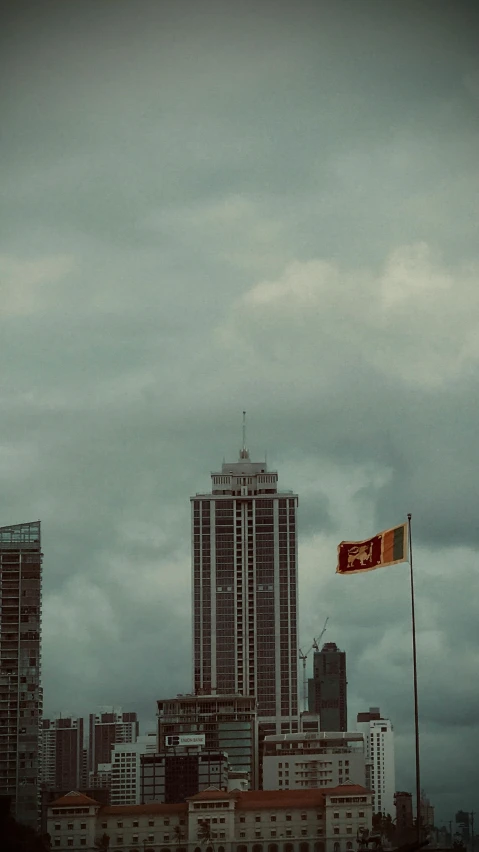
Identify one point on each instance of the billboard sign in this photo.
(183, 740)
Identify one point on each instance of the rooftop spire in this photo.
(244, 454)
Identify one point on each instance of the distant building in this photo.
(245, 592)
(228, 723)
(379, 741)
(108, 727)
(427, 812)
(174, 777)
(327, 689)
(309, 760)
(256, 820)
(101, 779)
(126, 769)
(20, 652)
(62, 753)
(404, 817)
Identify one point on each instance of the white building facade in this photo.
(245, 592)
(125, 783)
(379, 741)
(252, 821)
(311, 760)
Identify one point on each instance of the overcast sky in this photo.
(210, 207)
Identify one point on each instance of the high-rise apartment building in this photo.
(379, 741)
(20, 690)
(245, 591)
(125, 769)
(109, 726)
(327, 689)
(62, 753)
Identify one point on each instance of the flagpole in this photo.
(416, 711)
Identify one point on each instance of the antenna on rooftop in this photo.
(244, 454)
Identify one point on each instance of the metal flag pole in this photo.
(416, 712)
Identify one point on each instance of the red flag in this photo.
(386, 548)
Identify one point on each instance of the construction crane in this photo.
(304, 657)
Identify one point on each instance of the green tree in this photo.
(102, 843)
(204, 832)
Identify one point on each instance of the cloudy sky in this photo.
(210, 207)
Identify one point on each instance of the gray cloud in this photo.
(271, 209)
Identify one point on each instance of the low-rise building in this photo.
(324, 759)
(325, 820)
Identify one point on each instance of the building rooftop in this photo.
(73, 799)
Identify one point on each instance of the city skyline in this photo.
(260, 210)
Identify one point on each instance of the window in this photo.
(242, 833)
(242, 819)
(349, 830)
(336, 830)
(361, 813)
(273, 832)
(70, 826)
(166, 821)
(70, 841)
(257, 833)
(304, 832)
(83, 825)
(151, 838)
(119, 825)
(104, 825)
(135, 824)
(257, 818)
(134, 839)
(288, 832)
(151, 822)
(288, 817)
(348, 815)
(82, 841)
(57, 826)
(336, 815)
(272, 818)
(303, 816)
(119, 839)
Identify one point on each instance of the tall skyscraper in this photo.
(107, 728)
(327, 693)
(20, 690)
(62, 753)
(245, 592)
(379, 741)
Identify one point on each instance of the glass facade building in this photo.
(20, 666)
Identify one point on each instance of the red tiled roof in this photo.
(152, 808)
(346, 790)
(72, 799)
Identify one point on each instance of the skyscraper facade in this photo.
(20, 690)
(62, 753)
(327, 692)
(379, 741)
(245, 591)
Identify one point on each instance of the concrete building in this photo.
(100, 795)
(253, 821)
(20, 661)
(228, 722)
(379, 740)
(62, 753)
(245, 591)
(106, 728)
(175, 776)
(327, 689)
(309, 760)
(125, 788)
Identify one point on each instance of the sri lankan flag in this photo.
(386, 548)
